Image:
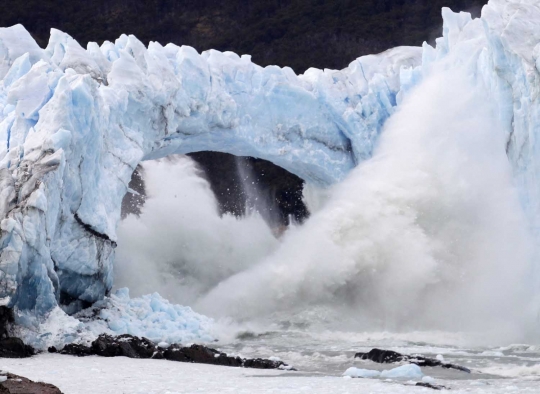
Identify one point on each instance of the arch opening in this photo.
(185, 227)
(240, 184)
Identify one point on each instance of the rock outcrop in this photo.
(14, 384)
(15, 348)
(135, 347)
(389, 357)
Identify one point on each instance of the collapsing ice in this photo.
(77, 122)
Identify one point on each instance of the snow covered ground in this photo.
(123, 375)
(322, 358)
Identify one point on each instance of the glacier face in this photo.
(76, 122)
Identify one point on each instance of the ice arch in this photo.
(76, 122)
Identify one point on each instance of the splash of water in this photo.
(180, 246)
(256, 201)
(427, 234)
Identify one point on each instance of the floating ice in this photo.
(361, 373)
(409, 371)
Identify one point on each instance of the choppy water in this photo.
(331, 353)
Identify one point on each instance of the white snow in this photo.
(90, 375)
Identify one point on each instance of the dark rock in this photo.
(432, 386)
(52, 349)
(123, 345)
(109, 346)
(201, 354)
(279, 193)
(158, 355)
(6, 319)
(381, 356)
(175, 353)
(135, 347)
(18, 385)
(389, 356)
(15, 348)
(77, 350)
(229, 361)
(206, 355)
(260, 363)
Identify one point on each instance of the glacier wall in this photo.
(76, 122)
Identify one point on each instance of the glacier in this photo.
(76, 122)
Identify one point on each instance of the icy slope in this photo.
(75, 123)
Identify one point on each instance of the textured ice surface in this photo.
(409, 371)
(75, 123)
(149, 316)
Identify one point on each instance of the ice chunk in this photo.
(148, 316)
(428, 379)
(361, 373)
(409, 371)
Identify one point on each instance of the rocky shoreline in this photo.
(134, 347)
(117, 346)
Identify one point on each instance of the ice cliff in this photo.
(75, 122)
